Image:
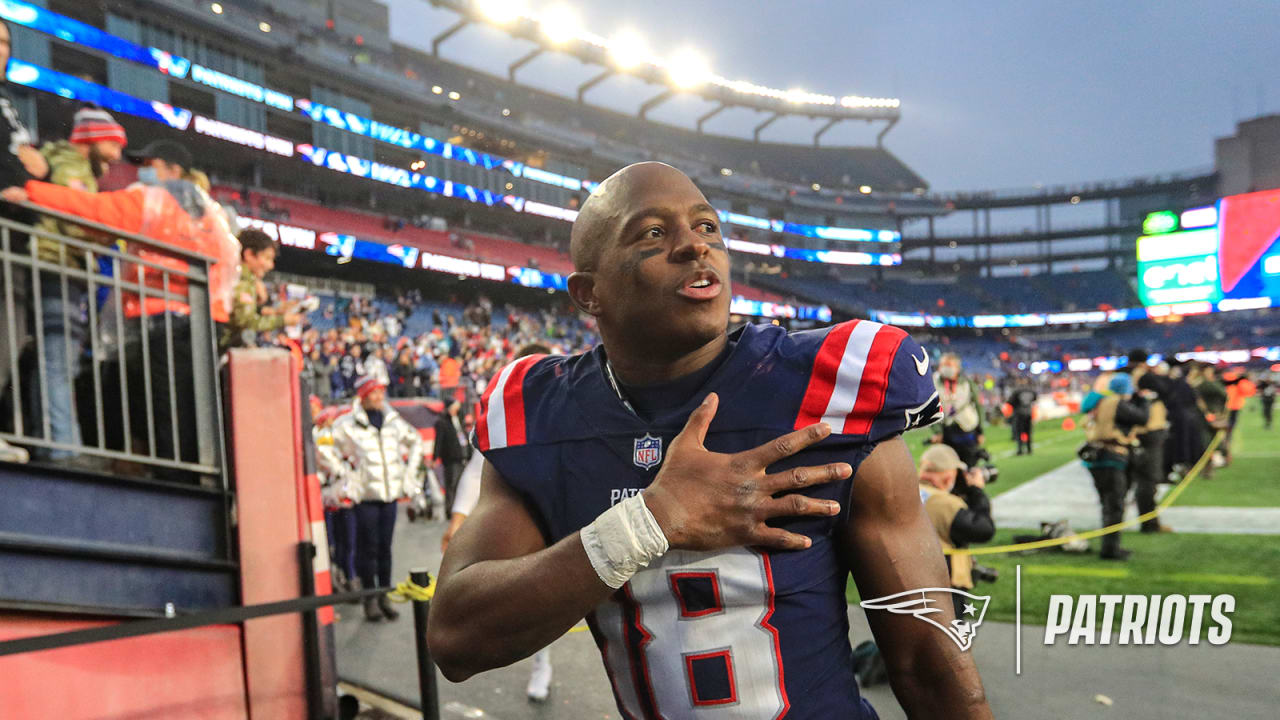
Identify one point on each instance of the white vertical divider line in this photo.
(1017, 622)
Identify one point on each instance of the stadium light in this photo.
(796, 96)
(502, 12)
(688, 70)
(560, 25)
(865, 189)
(628, 50)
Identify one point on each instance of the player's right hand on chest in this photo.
(705, 500)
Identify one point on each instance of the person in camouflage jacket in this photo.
(248, 318)
(96, 141)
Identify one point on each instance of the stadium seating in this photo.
(490, 248)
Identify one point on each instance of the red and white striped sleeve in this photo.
(502, 419)
(869, 379)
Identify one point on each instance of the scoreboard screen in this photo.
(1228, 251)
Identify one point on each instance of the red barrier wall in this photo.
(262, 434)
(193, 674)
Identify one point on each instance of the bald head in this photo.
(608, 208)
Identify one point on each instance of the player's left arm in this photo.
(890, 547)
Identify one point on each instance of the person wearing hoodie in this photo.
(385, 455)
(1110, 435)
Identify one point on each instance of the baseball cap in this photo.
(169, 151)
(941, 458)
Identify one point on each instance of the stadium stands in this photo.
(1061, 292)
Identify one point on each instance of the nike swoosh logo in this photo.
(922, 364)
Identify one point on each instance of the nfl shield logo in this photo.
(648, 451)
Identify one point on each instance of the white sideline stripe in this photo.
(497, 415)
(849, 375)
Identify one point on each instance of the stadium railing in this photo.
(148, 391)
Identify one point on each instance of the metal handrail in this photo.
(152, 243)
(160, 362)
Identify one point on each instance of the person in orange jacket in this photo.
(1239, 389)
(169, 210)
(174, 212)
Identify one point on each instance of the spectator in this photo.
(166, 208)
(450, 374)
(248, 317)
(339, 514)
(319, 370)
(385, 453)
(338, 387)
(450, 450)
(19, 162)
(96, 141)
(403, 374)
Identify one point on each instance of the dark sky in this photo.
(995, 93)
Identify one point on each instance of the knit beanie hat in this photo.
(93, 125)
(368, 384)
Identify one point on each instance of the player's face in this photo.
(664, 274)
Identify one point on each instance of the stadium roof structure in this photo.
(678, 74)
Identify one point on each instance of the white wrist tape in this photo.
(625, 538)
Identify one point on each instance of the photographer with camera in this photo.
(1111, 437)
(958, 520)
(1146, 464)
(962, 415)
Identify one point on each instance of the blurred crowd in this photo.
(458, 351)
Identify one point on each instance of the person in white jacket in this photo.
(385, 454)
(335, 490)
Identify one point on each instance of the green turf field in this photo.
(1253, 477)
(1246, 566)
(1052, 447)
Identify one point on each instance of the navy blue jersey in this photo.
(743, 633)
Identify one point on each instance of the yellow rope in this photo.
(409, 591)
(1054, 542)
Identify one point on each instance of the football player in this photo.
(700, 496)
